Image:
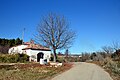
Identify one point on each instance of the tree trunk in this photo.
(55, 55)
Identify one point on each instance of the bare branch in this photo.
(54, 31)
(108, 49)
(116, 45)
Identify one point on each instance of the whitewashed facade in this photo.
(17, 49)
(34, 54)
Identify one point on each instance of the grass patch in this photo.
(30, 71)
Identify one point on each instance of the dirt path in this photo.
(84, 71)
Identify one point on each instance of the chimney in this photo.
(31, 43)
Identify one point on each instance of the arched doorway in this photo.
(40, 55)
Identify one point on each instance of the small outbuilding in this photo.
(36, 52)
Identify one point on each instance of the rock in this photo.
(55, 64)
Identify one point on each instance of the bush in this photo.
(113, 66)
(52, 57)
(23, 58)
(60, 59)
(5, 58)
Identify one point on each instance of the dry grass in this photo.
(31, 71)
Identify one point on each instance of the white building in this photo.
(34, 51)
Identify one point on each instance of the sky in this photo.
(96, 22)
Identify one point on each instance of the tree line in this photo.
(5, 44)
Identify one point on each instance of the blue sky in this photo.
(96, 22)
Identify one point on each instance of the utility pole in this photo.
(23, 35)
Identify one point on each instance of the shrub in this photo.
(23, 58)
(60, 59)
(14, 58)
(113, 66)
(52, 57)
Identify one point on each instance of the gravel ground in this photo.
(84, 71)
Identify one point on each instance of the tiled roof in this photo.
(26, 43)
(35, 47)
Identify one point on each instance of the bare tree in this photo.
(66, 53)
(54, 31)
(108, 49)
(116, 45)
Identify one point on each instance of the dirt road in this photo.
(84, 71)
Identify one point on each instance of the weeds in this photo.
(6, 58)
(30, 71)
